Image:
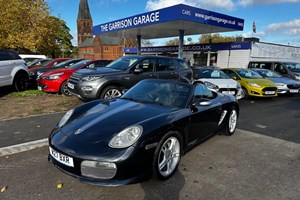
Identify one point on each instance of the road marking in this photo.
(5, 151)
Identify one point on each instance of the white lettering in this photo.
(186, 12)
(144, 19)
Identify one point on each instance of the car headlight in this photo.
(126, 137)
(65, 118)
(91, 78)
(55, 76)
(238, 86)
(254, 84)
(297, 77)
(280, 84)
(211, 86)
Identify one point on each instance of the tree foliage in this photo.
(215, 38)
(26, 26)
(173, 42)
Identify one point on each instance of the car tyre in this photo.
(231, 122)
(245, 93)
(20, 82)
(111, 92)
(64, 89)
(167, 156)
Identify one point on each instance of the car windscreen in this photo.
(249, 74)
(78, 65)
(210, 74)
(268, 74)
(66, 63)
(294, 67)
(123, 63)
(166, 93)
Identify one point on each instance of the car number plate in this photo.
(270, 92)
(294, 91)
(229, 92)
(40, 88)
(70, 85)
(66, 160)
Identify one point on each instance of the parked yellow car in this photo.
(252, 83)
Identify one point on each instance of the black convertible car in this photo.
(142, 134)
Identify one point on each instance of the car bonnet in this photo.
(102, 122)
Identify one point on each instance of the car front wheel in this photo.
(64, 89)
(111, 92)
(167, 156)
(245, 93)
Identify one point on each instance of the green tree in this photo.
(57, 39)
(26, 26)
(22, 24)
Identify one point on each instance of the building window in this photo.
(106, 49)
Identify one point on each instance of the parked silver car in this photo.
(13, 70)
(217, 80)
(284, 85)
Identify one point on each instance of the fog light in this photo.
(96, 169)
(87, 88)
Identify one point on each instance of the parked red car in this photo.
(49, 63)
(56, 80)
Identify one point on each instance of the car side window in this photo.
(280, 68)
(230, 73)
(4, 56)
(147, 65)
(165, 64)
(183, 65)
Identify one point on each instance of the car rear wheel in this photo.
(167, 156)
(64, 89)
(111, 92)
(232, 122)
(20, 82)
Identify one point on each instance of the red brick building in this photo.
(96, 47)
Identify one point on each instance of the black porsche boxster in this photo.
(142, 134)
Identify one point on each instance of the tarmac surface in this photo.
(260, 161)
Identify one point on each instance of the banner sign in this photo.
(265, 50)
(177, 12)
(194, 47)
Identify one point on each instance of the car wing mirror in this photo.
(202, 102)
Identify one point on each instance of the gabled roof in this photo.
(84, 10)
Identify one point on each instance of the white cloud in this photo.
(291, 28)
(157, 4)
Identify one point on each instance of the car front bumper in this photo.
(130, 165)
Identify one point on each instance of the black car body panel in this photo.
(85, 136)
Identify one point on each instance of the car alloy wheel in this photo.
(244, 93)
(20, 82)
(167, 156)
(64, 89)
(232, 122)
(111, 92)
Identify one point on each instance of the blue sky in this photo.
(277, 21)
